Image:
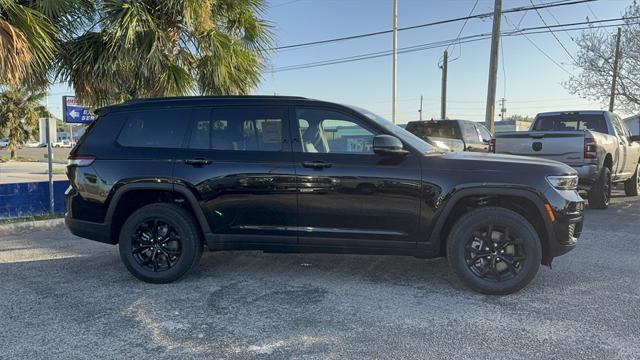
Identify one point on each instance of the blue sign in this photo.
(74, 112)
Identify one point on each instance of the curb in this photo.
(30, 226)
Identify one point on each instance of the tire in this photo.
(632, 185)
(159, 243)
(600, 193)
(522, 249)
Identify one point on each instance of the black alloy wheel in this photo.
(494, 253)
(156, 245)
(161, 242)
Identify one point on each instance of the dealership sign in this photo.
(76, 113)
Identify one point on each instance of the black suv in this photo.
(165, 177)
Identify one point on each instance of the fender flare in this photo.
(548, 238)
(174, 188)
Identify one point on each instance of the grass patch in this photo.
(31, 218)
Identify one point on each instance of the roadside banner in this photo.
(74, 113)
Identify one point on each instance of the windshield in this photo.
(568, 122)
(441, 129)
(401, 133)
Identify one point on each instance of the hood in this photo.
(506, 163)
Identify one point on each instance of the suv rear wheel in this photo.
(632, 185)
(600, 193)
(159, 243)
(494, 250)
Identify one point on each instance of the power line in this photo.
(540, 50)
(440, 22)
(553, 33)
(466, 39)
(464, 24)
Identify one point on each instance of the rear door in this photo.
(238, 161)
(350, 196)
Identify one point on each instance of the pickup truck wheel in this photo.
(494, 250)
(600, 193)
(632, 185)
(159, 243)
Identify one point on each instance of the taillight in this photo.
(80, 160)
(492, 146)
(590, 149)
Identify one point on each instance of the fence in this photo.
(30, 199)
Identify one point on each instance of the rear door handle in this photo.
(197, 162)
(316, 164)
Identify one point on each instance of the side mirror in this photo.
(486, 142)
(634, 138)
(387, 145)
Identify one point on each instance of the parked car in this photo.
(64, 143)
(34, 144)
(4, 143)
(453, 135)
(164, 177)
(595, 143)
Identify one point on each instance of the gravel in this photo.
(65, 297)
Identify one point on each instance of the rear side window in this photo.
(568, 122)
(162, 128)
(238, 129)
(470, 133)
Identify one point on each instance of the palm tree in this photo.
(30, 35)
(20, 110)
(147, 48)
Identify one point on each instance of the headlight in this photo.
(565, 182)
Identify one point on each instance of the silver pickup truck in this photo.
(595, 143)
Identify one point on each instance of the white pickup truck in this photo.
(595, 143)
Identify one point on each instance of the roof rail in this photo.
(177, 98)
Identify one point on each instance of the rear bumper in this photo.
(82, 228)
(587, 174)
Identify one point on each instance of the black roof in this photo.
(195, 101)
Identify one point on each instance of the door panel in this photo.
(239, 163)
(347, 194)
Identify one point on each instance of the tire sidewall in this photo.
(519, 226)
(180, 221)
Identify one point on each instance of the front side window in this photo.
(328, 131)
(162, 128)
(238, 129)
(485, 135)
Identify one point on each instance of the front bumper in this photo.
(568, 209)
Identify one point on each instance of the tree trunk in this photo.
(13, 153)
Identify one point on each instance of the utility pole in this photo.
(420, 111)
(443, 94)
(395, 63)
(616, 60)
(493, 65)
(503, 108)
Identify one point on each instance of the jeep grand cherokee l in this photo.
(163, 178)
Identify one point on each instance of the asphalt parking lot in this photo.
(64, 297)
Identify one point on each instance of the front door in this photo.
(238, 161)
(348, 195)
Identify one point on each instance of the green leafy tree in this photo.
(31, 32)
(595, 60)
(20, 110)
(148, 48)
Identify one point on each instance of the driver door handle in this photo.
(197, 162)
(316, 164)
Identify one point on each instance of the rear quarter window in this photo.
(160, 128)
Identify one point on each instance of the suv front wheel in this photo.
(494, 250)
(159, 243)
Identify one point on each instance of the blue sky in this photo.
(533, 82)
